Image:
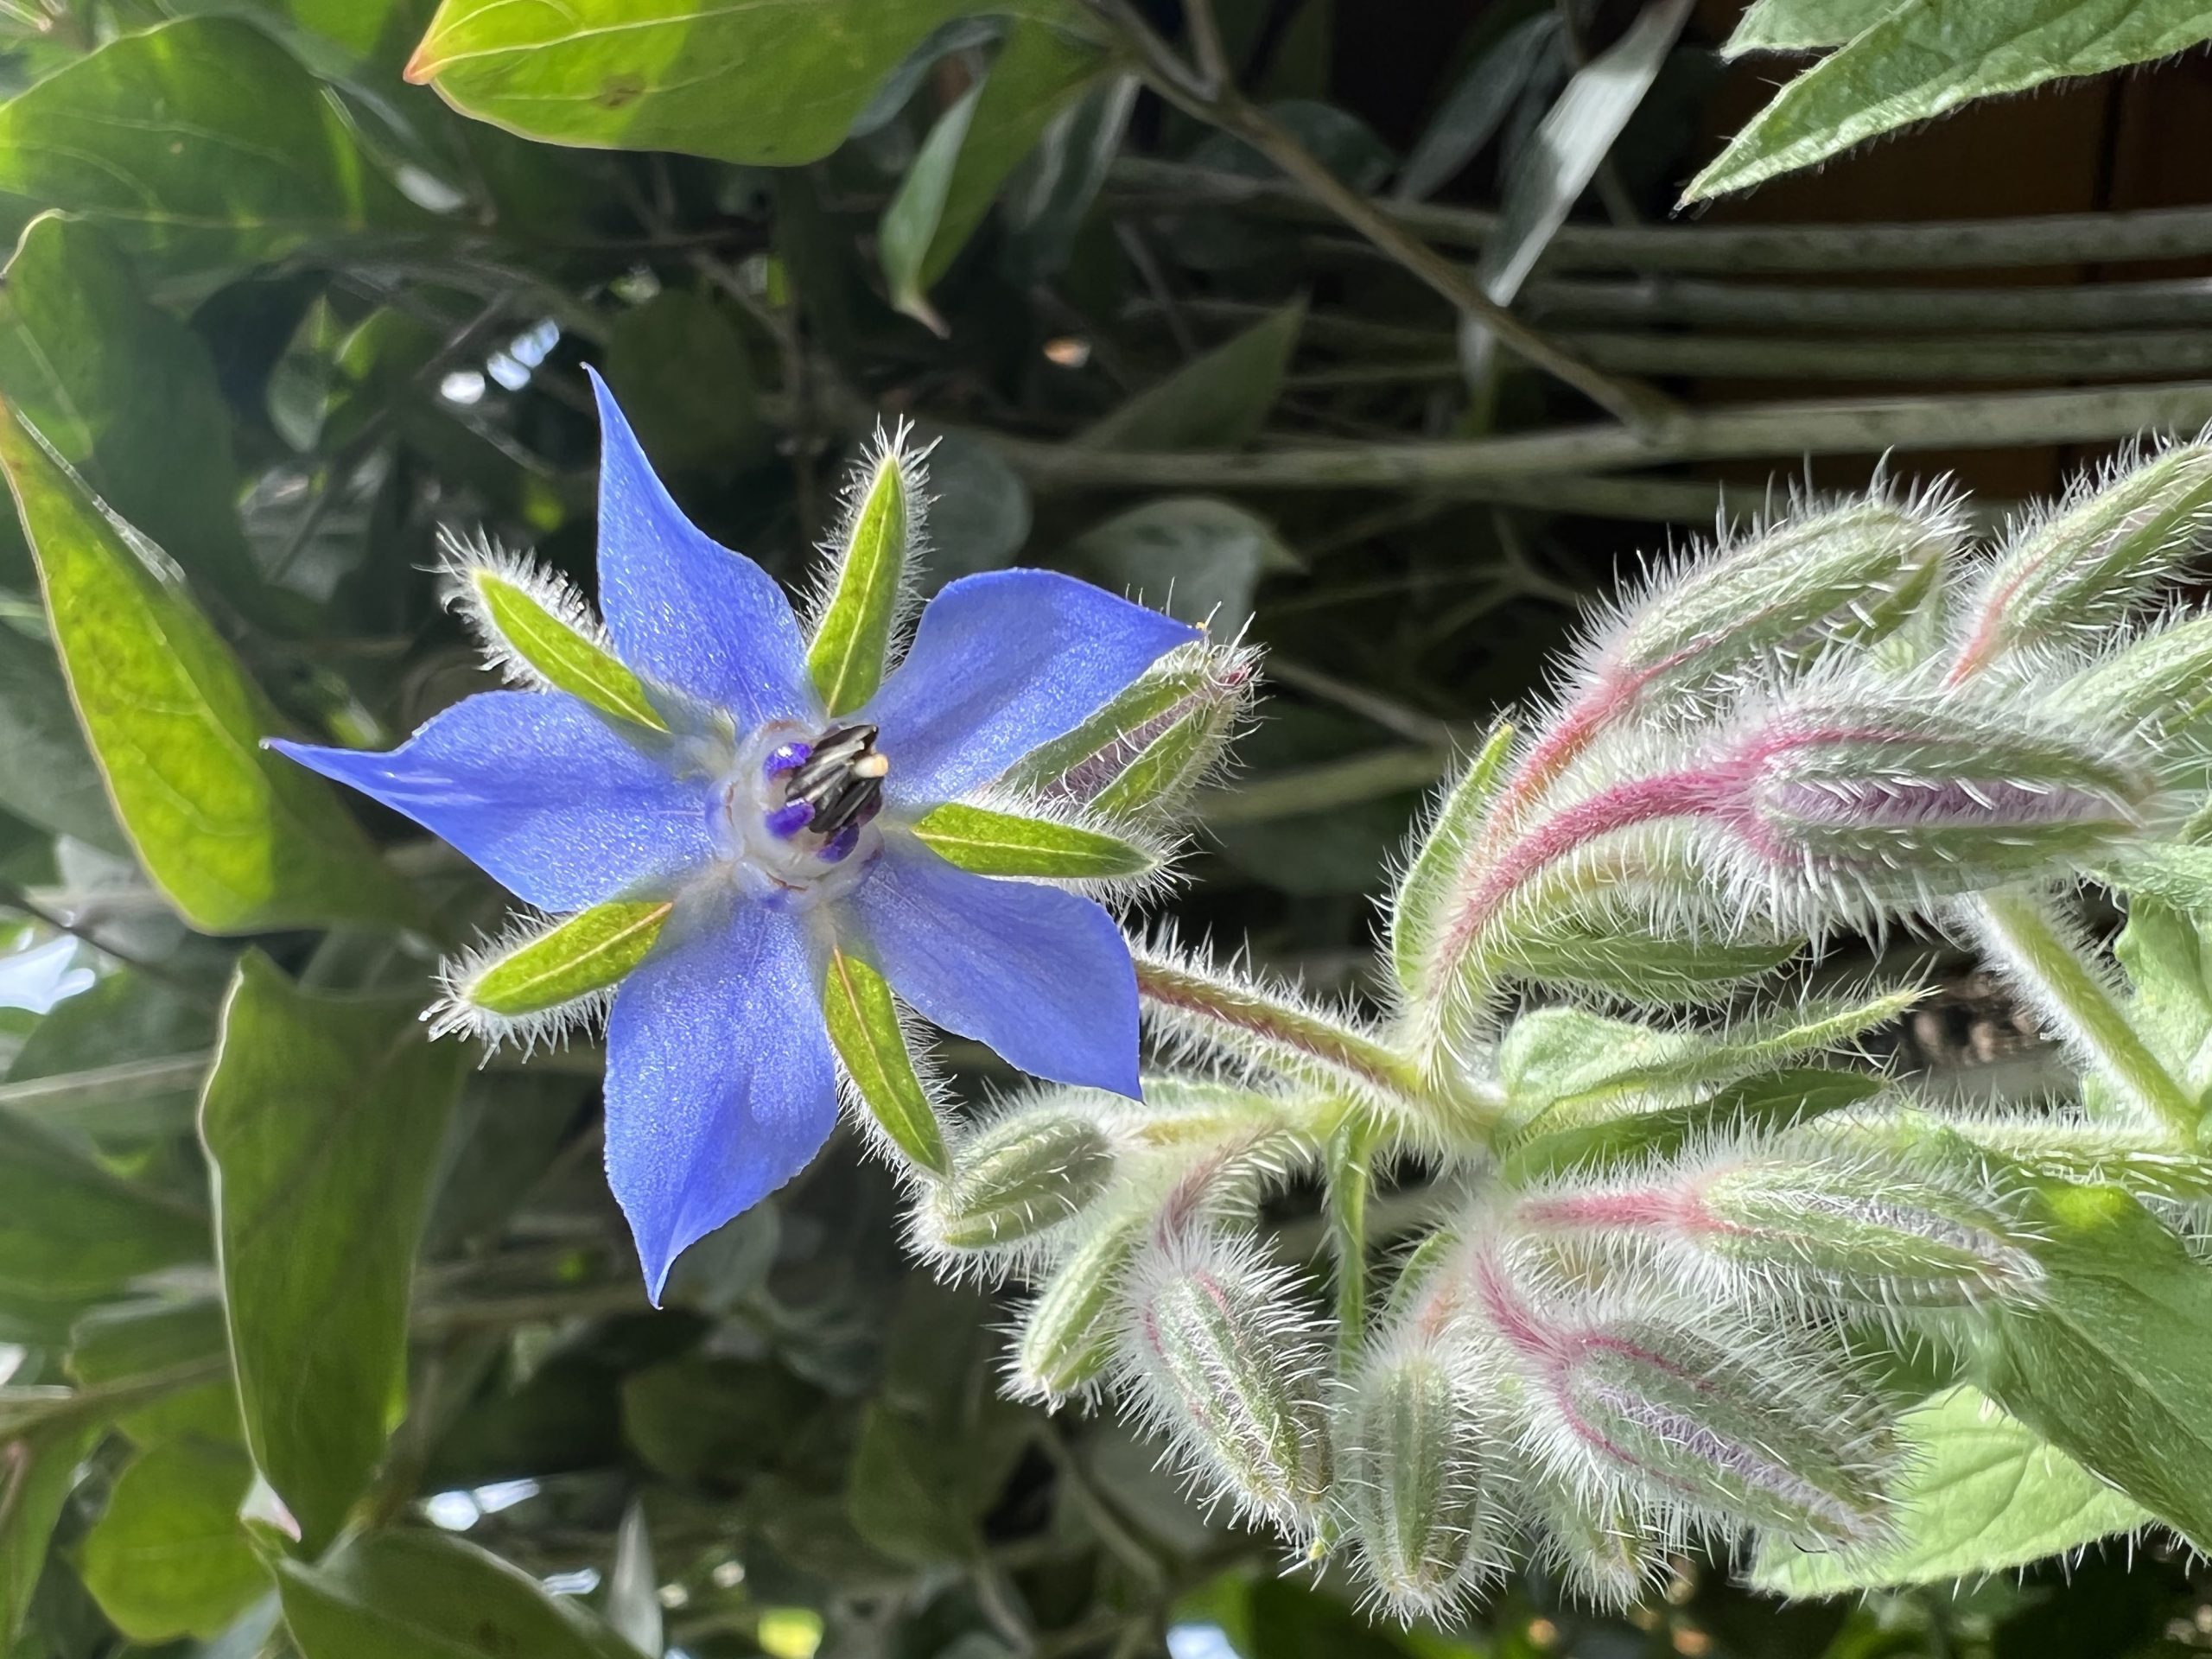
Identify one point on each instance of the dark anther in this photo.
(842, 780)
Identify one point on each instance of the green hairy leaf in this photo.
(1984, 1494)
(1805, 25)
(325, 1119)
(239, 839)
(1424, 897)
(877, 553)
(1005, 843)
(587, 953)
(777, 83)
(1922, 60)
(554, 650)
(864, 1027)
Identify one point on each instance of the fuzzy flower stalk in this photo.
(1691, 1261)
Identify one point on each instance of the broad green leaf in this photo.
(1218, 400)
(137, 1045)
(876, 551)
(46, 775)
(69, 1229)
(325, 1118)
(864, 1026)
(696, 1420)
(2112, 1365)
(1197, 557)
(975, 145)
(589, 952)
(683, 370)
(238, 839)
(1981, 1493)
(127, 395)
(38, 1471)
(125, 1342)
(555, 650)
(1003, 843)
(168, 1557)
(429, 1595)
(199, 145)
(1772, 1100)
(1921, 61)
(1806, 25)
(776, 82)
(1420, 905)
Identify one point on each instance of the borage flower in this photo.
(730, 815)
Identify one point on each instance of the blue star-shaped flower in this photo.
(779, 833)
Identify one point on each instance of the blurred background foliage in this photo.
(286, 312)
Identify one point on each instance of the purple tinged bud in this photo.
(790, 818)
(1066, 1338)
(1219, 1355)
(787, 757)
(1622, 1391)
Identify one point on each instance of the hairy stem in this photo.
(2035, 947)
(1350, 1178)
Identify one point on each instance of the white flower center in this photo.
(798, 810)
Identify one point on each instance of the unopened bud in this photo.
(1030, 1170)
(1891, 799)
(1416, 1466)
(1145, 754)
(2162, 681)
(1854, 569)
(1866, 1230)
(1222, 1358)
(1067, 1335)
(1728, 1430)
(2088, 566)
(1604, 1548)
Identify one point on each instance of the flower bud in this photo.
(1866, 1230)
(1220, 1356)
(1607, 1550)
(1624, 1392)
(1417, 1471)
(2088, 566)
(1067, 1335)
(2158, 683)
(1031, 1169)
(1146, 751)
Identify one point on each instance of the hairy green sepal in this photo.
(560, 656)
(1004, 843)
(589, 952)
(864, 1026)
(847, 656)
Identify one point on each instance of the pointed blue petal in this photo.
(683, 610)
(719, 1082)
(1001, 662)
(1041, 976)
(536, 790)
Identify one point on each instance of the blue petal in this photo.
(1041, 976)
(681, 609)
(1001, 662)
(719, 1082)
(538, 791)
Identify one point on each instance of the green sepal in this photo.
(1423, 895)
(864, 1027)
(1150, 746)
(873, 562)
(587, 953)
(557, 653)
(1004, 843)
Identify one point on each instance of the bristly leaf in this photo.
(1005, 844)
(1424, 896)
(587, 954)
(1982, 1493)
(864, 1026)
(539, 632)
(877, 549)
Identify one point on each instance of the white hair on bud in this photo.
(1122, 893)
(463, 559)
